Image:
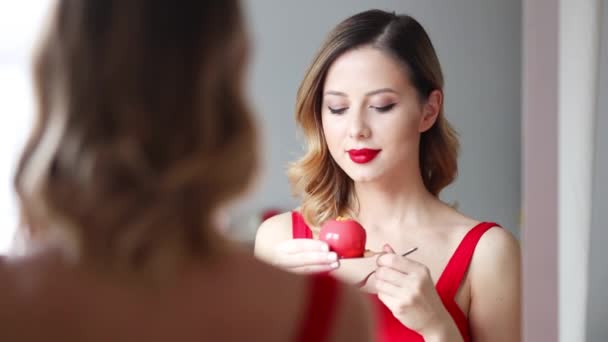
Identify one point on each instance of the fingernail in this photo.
(332, 256)
(334, 265)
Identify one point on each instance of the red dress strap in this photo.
(449, 282)
(299, 227)
(317, 322)
(453, 274)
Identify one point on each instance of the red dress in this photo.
(317, 323)
(389, 328)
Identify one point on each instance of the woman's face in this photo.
(372, 117)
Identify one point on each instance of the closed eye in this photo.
(384, 109)
(337, 110)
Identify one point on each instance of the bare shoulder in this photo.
(284, 298)
(351, 320)
(495, 284)
(495, 245)
(18, 277)
(6, 284)
(272, 231)
(497, 249)
(9, 305)
(20, 286)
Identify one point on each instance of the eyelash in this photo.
(337, 111)
(384, 109)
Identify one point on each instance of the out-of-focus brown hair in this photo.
(141, 131)
(326, 191)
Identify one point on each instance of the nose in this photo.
(359, 129)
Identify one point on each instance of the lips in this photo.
(362, 156)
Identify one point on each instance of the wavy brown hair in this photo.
(142, 130)
(326, 191)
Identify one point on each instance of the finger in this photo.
(294, 246)
(306, 259)
(403, 264)
(392, 276)
(388, 289)
(316, 268)
(387, 248)
(389, 301)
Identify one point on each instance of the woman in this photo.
(380, 150)
(142, 137)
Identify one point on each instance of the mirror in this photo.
(479, 48)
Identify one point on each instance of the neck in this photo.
(171, 258)
(164, 263)
(395, 203)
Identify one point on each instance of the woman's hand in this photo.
(355, 270)
(305, 256)
(406, 288)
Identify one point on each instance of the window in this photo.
(20, 24)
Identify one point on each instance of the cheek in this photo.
(397, 128)
(332, 132)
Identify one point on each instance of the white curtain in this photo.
(597, 298)
(579, 41)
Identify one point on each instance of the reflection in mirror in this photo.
(479, 50)
(379, 124)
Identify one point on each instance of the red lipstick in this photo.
(362, 156)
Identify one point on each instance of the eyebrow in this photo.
(373, 92)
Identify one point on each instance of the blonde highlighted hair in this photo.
(142, 130)
(325, 189)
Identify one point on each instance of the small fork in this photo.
(362, 282)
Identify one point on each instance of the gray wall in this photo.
(478, 42)
(597, 302)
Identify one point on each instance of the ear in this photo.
(430, 110)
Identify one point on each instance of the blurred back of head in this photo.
(141, 132)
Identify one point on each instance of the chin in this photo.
(363, 177)
(363, 173)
